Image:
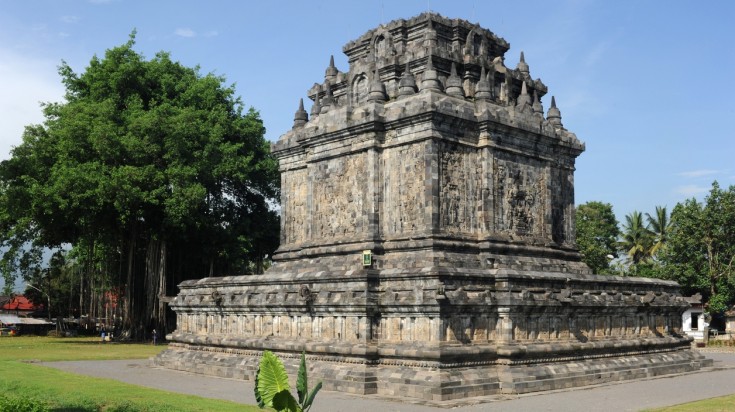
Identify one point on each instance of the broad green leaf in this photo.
(284, 401)
(272, 378)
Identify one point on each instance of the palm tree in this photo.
(658, 226)
(636, 238)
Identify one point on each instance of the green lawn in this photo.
(722, 404)
(24, 384)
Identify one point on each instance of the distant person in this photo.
(155, 336)
(102, 333)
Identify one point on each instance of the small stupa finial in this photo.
(376, 92)
(331, 72)
(483, 91)
(300, 118)
(537, 107)
(524, 100)
(431, 78)
(454, 83)
(328, 100)
(407, 84)
(523, 67)
(316, 107)
(554, 115)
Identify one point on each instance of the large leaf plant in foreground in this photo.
(272, 389)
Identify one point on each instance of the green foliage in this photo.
(32, 384)
(700, 249)
(636, 239)
(271, 379)
(306, 398)
(272, 389)
(12, 403)
(658, 226)
(597, 233)
(144, 157)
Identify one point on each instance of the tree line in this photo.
(694, 245)
(147, 174)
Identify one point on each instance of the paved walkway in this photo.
(627, 396)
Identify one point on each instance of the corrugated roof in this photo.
(10, 319)
(34, 321)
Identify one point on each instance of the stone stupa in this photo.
(428, 240)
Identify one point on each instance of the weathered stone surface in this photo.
(464, 194)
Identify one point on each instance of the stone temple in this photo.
(427, 240)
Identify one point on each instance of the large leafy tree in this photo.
(152, 172)
(597, 234)
(700, 251)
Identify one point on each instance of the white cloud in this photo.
(692, 190)
(69, 19)
(25, 82)
(185, 32)
(699, 173)
(211, 33)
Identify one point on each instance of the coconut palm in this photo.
(636, 239)
(658, 225)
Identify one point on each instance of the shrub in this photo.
(9, 403)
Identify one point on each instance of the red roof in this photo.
(19, 302)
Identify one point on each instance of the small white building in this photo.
(692, 320)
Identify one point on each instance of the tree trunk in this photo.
(155, 284)
(129, 304)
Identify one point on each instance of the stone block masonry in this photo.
(437, 159)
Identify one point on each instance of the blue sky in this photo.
(647, 85)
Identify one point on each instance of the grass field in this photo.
(27, 386)
(722, 404)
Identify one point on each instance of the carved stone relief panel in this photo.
(403, 176)
(459, 182)
(520, 195)
(339, 198)
(294, 195)
(562, 207)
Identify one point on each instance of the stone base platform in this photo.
(434, 335)
(441, 383)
